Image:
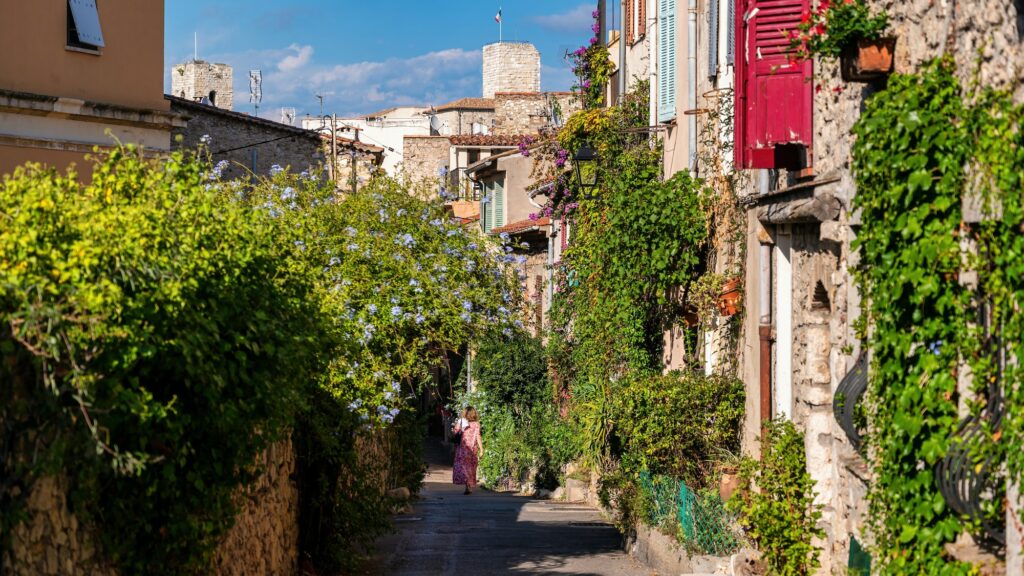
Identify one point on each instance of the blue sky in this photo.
(367, 55)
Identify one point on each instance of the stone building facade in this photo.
(805, 223)
(197, 80)
(520, 113)
(425, 156)
(511, 67)
(251, 145)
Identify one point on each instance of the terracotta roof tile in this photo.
(468, 104)
(522, 226)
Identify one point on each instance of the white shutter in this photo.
(666, 60)
(87, 22)
(712, 38)
(730, 36)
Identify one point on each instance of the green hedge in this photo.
(159, 328)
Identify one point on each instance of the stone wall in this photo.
(240, 139)
(265, 537)
(264, 540)
(518, 113)
(52, 541)
(424, 156)
(511, 67)
(198, 79)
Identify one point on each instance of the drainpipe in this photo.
(652, 59)
(691, 81)
(764, 328)
(622, 52)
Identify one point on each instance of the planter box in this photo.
(868, 60)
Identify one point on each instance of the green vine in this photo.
(920, 151)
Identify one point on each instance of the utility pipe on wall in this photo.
(652, 59)
(764, 328)
(691, 81)
(622, 50)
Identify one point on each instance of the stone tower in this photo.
(196, 79)
(511, 67)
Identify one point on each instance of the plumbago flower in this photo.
(403, 283)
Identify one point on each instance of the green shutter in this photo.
(499, 202)
(484, 205)
(666, 60)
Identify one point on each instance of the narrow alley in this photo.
(498, 533)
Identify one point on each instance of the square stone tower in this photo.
(196, 79)
(511, 67)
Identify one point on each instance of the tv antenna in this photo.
(288, 116)
(256, 89)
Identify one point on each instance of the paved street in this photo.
(491, 533)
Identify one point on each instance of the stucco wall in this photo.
(459, 122)
(127, 72)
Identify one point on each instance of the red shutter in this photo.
(641, 20)
(774, 97)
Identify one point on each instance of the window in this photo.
(666, 60)
(84, 25)
(774, 96)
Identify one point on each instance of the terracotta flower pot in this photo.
(868, 60)
(728, 485)
(729, 300)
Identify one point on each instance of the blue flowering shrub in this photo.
(160, 327)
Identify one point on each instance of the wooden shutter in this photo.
(499, 203)
(730, 38)
(712, 38)
(486, 208)
(774, 95)
(627, 21)
(641, 19)
(666, 60)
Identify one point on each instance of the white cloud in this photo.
(301, 57)
(292, 79)
(575, 21)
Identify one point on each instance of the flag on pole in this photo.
(497, 17)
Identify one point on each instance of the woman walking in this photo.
(467, 454)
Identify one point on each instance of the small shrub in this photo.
(776, 502)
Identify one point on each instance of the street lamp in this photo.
(585, 161)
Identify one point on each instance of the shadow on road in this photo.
(497, 533)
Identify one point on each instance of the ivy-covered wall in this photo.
(982, 37)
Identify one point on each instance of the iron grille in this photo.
(848, 395)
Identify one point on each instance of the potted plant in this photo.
(728, 467)
(730, 296)
(845, 29)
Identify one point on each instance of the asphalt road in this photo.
(497, 533)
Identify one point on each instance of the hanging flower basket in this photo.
(729, 300)
(868, 60)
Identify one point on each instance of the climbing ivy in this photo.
(921, 149)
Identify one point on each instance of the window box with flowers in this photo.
(846, 30)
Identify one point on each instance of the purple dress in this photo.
(466, 458)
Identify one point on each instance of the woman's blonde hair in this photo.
(472, 415)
